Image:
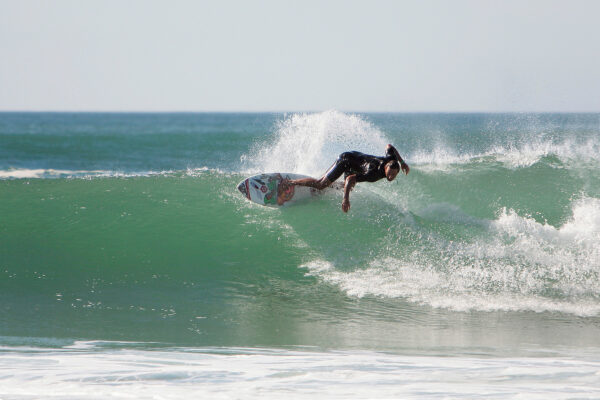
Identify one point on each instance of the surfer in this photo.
(358, 167)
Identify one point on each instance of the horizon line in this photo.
(294, 111)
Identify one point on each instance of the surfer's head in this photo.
(391, 170)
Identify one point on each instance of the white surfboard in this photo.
(268, 190)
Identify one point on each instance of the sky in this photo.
(397, 56)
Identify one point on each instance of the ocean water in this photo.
(130, 266)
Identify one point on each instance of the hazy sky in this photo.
(300, 55)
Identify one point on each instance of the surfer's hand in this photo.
(405, 168)
(345, 205)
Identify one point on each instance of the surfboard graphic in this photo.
(271, 190)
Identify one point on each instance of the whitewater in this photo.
(131, 266)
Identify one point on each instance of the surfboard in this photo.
(270, 189)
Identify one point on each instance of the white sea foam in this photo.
(233, 373)
(24, 173)
(518, 264)
(570, 152)
(309, 143)
(438, 158)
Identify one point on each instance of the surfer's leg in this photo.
(312, 182)
(333, 173)
(336, 170)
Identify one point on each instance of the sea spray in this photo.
(310, 143)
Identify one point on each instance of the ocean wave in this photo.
(518, 264)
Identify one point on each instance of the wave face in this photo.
(129, 227)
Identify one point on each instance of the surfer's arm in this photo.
(403, 165)
(349, 184)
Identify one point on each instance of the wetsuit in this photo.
(367, 168)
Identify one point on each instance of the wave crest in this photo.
(568, 152)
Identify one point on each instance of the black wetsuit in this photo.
(367, 168)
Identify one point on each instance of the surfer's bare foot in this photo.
(285, 184)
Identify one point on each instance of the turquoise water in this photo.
(127, 228)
